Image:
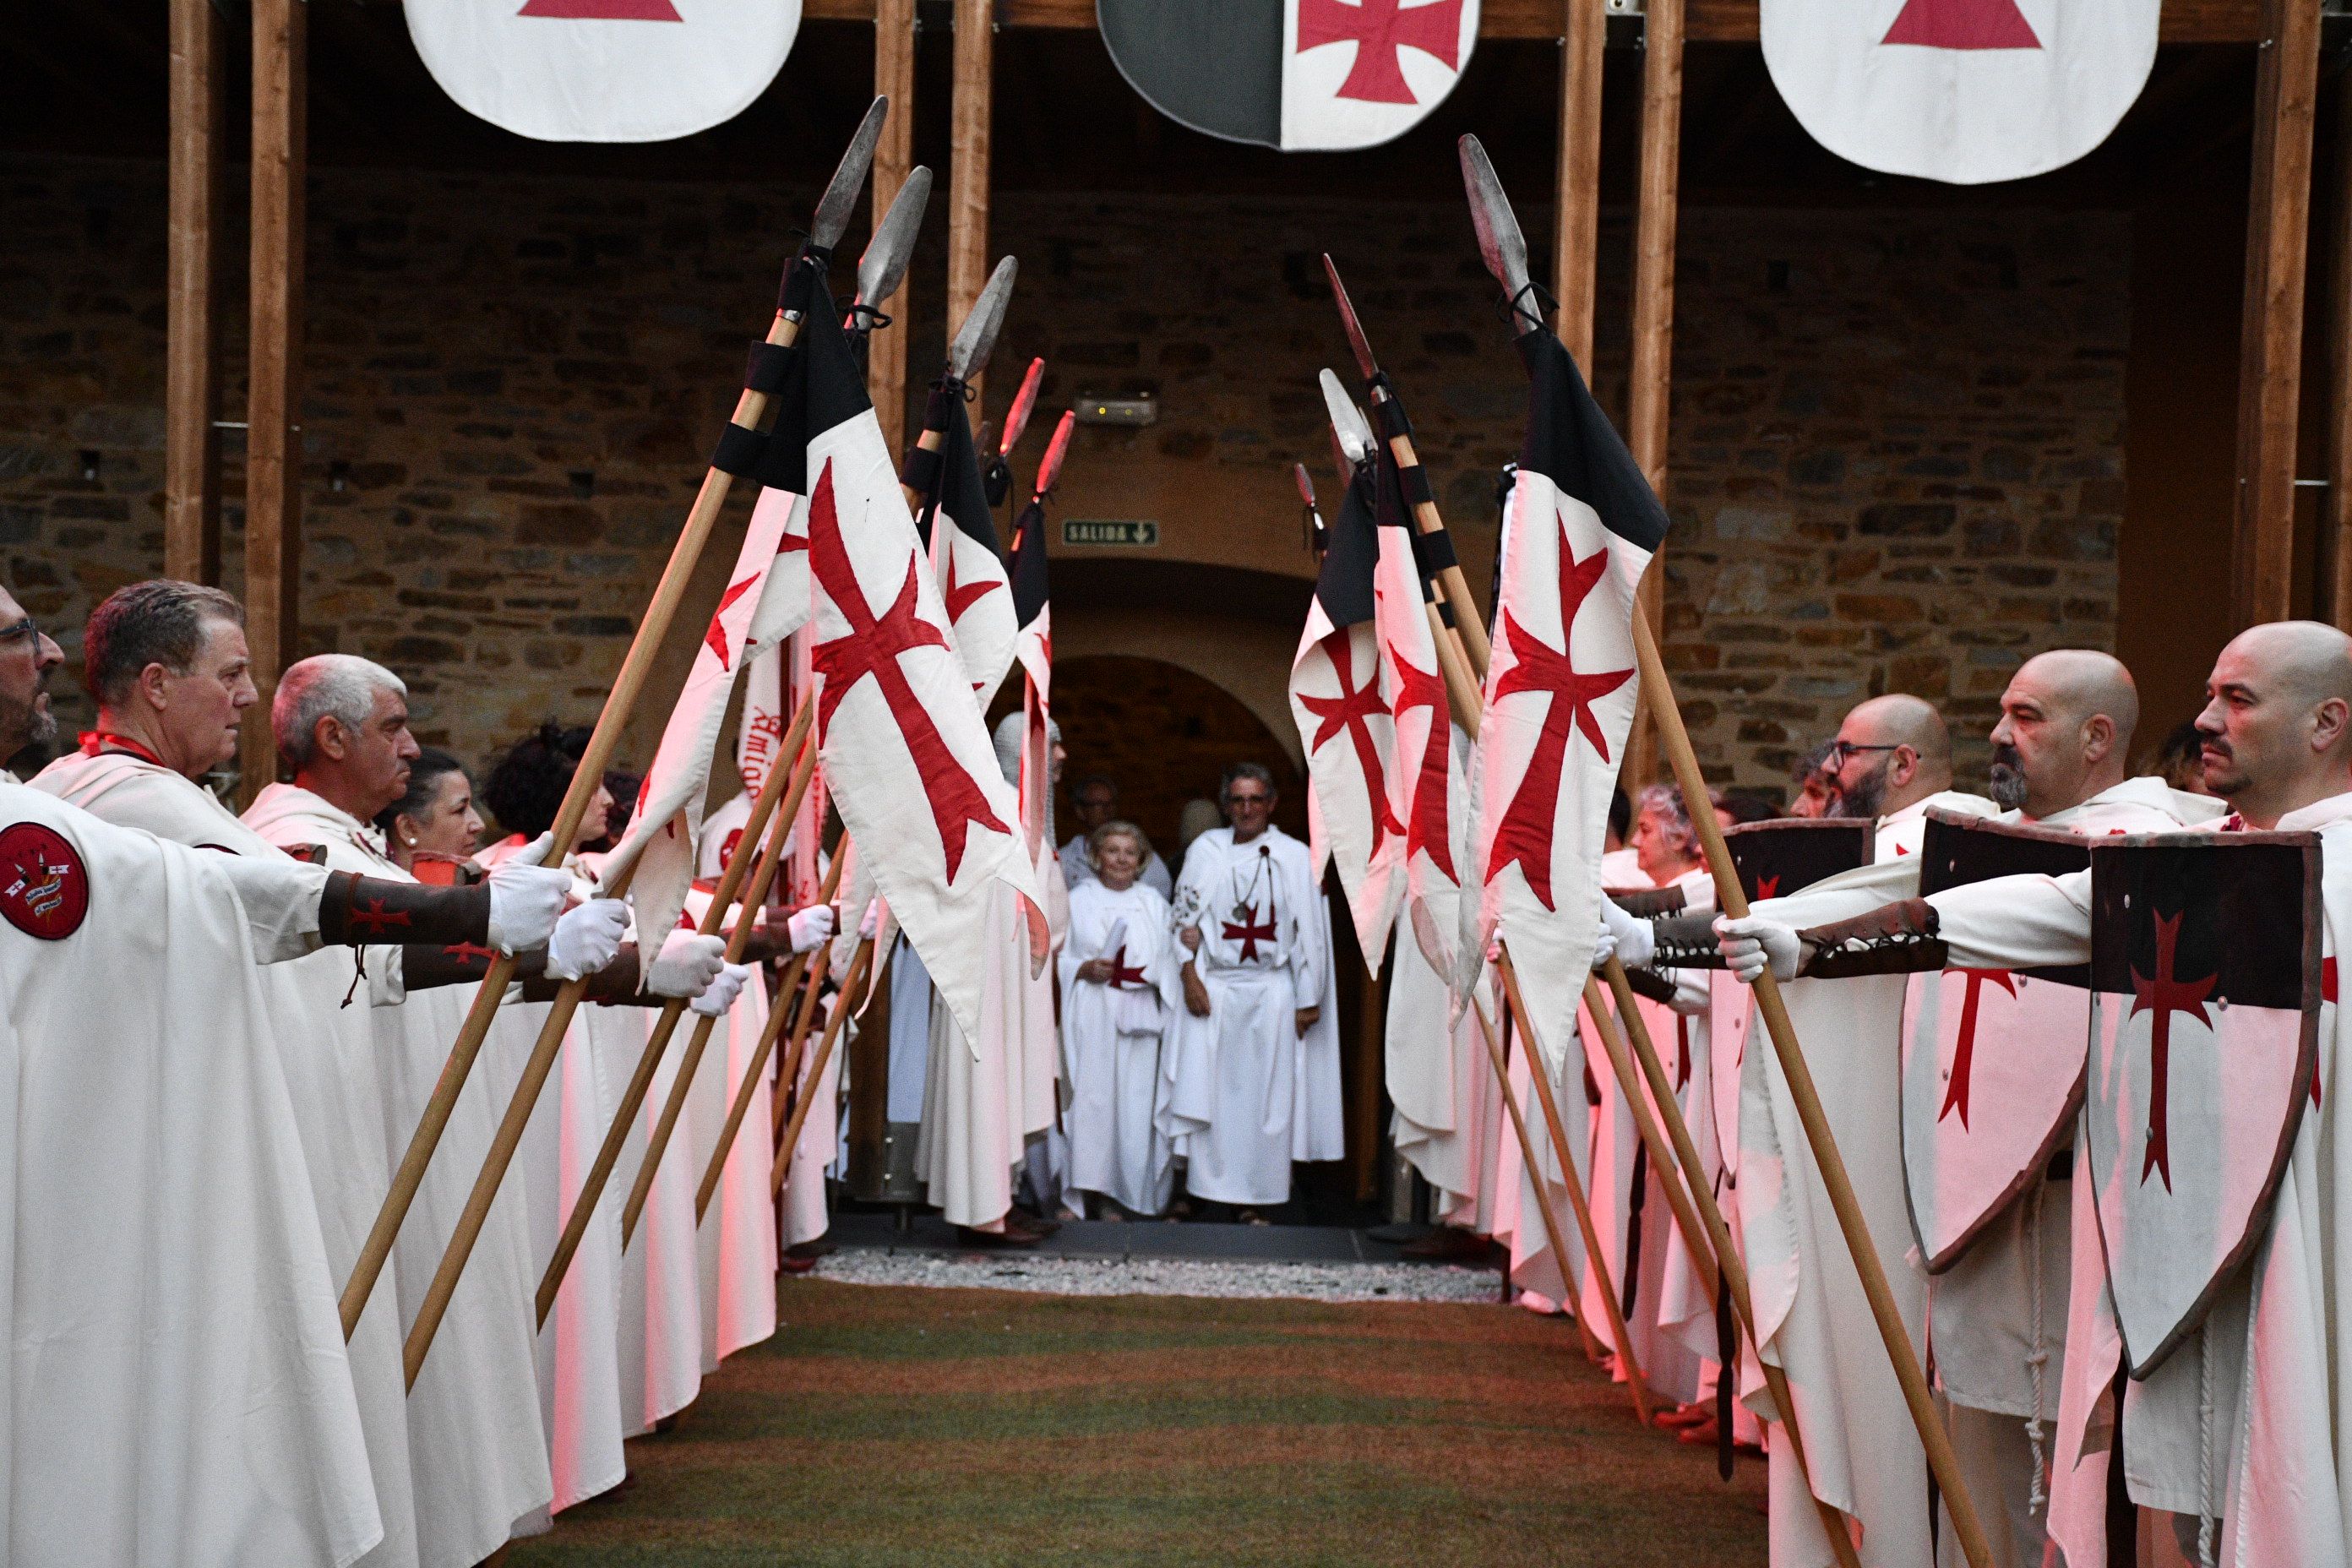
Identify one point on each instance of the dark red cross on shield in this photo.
(1956, 1098)
(1381, 30)
(2164, 994)
(1963, 25)
(603, 10)
(1249, 931)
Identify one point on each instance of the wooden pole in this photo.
(273, 462)
(1576, 239)
(1595, 1259)
(619, 703)
(2336, 520)
(843, 1007)
(192, 311)
(1649, 387)
(764, 812)
(803, 1025)
(2270, 343)
(1885, 1313)
(1468, 625)
(1663, 1165)
(1734, 1273)
(1371, 1050)
(971, 116)
(894, 156)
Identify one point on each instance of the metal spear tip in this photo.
(841, 196)
(1305, 485)
(1349, 425)
(1016, 418)
(884, 266)
(1357, 342)
(1049, 468)
(1499, 239)
(968, 355)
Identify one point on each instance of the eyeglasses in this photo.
(1834, 760)
(27, 629)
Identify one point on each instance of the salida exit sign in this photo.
(1116, 532)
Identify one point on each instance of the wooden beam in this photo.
(970, 116)
(273, 463)
(2335, 518)
(2270, 342)
(1709, 22)
(894, 74)
(1576, 240)
(192, 294)
(1650, 384)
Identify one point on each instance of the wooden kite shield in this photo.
(2205, 990)
(1774, 859)
(1992, 1059)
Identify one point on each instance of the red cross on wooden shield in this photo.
(2205, 993)
(1992, 1059)
(603, 70)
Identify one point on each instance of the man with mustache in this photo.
(2277, 728)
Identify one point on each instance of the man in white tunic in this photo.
(2243, 1427)
(1255, 1045)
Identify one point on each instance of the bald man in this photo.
(2242, 1425)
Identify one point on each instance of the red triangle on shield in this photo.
(603, 10)
(1960, 25)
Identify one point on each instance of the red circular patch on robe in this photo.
(43, 886)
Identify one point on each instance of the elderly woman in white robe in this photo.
(1119, 957)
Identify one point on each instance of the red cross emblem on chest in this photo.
(1956, 1098)
(1381, 30)
(1249, 931)
(2164, 994)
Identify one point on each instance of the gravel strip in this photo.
(1165, 1276)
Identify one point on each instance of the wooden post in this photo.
(192, 311)
(273, 462)
(894, 155)
(972, 114)
(1648, 389)
(2270, 343)
(2335, 524)
(1576, 240)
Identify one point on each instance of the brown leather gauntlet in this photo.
(1895, 938)
(425, 968)
(366, 912)
(1649, 983)
(620, 983)
(1649, 903)
(1685, 942)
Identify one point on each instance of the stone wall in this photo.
(1896, 453)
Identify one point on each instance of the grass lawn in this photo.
(890, 1427)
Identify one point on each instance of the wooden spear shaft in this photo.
(737, 941)
(1734, 1270)
(803, 1025)
(657, 1038)
(841, 1011)
(619, 704)
(740, 1105)
(1663, 1163)
(1883, 1312)
(1467, 622)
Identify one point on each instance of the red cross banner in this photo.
(1578, 531)
(2205, 996)
(1966, 91)
(603, 70)
(1992, 1059)
(1300, 75)
(911, 766)
(1031, 589)
(973, 582)
(1341, 706)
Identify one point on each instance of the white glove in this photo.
(587, 938)
(1624, 937)
(810, 926)
(687, 965)
(1751, 946)
(714, 1003)
(870, 923)
(526, 898)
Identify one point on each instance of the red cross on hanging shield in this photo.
(1992, 1059)
(2205, 993)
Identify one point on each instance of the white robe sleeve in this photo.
(2016, 923)
(280, 898)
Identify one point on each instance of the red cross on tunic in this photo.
(2164, 994)
(1523, 836)
(1351, 712)
(1429, 829)
(1381, 30)
(1120, 974)
(715, 639)
(1963, 25)
(603, 10)
(1249, 931)
(376, 920)
(1956, 1098)
(872, 650)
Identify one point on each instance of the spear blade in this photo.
(1357, 342)
(884, 266)
(1049, 468)
(1349, 425)
(1499, 239)
(1025, 401)
(1305, 485)
(969, 354)
(841, 196)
